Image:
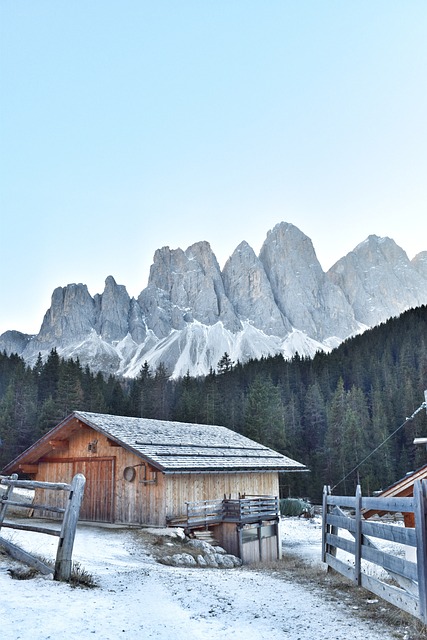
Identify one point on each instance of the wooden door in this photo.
(98, 500)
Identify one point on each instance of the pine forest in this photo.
(342, 414)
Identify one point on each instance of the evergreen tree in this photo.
(212, 400)
(161, 393)
(225, 364)
(380, 466)
(18, 411)
(48, 377)
(334, 463)
(93, 387)
(69, 395)
(47, 416)
(294, 430)
(264, 417)
(313, 430)
(189, 401)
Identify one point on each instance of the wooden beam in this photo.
(59, 445)
(29, 468)
(23, 556)
(112, 443)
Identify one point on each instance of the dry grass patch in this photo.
(81, 578)
(22, 572)
(162, 546)
(158, 544)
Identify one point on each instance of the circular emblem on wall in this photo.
(129, 473)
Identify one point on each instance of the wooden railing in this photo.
(66, 533)
(250, 509)
(203, 513)
(411, 577)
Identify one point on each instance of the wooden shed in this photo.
(143, 471)
(403, 488)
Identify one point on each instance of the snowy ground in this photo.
(138, 597)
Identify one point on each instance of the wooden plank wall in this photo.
(134, 502)
(151, 497)
(184, 488)
(227, 534)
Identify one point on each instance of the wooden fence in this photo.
(66, 533)
(203, 513)
(345, 513)
(251, 509)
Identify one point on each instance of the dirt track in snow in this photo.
(136, 595)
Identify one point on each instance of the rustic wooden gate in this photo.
(345, 513)
(98, 501)
(67, 532)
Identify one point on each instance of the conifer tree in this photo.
(379, 468)
(49, 377)
(264, 417)
(69, 394)
(189, 401)
(333, 459)
(225, 364)
(212, 400)
(161, 393)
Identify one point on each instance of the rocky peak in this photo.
(420, 263)
(248, 289)
(71, 316)
(113, 311)
(185, 286)
(303, 293)
(379, 281)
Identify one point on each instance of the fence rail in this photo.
(411, 577)
(203, 513)
(251, 509)
(66, 533)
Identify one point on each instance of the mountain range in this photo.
(191, 311)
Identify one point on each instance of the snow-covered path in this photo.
(141, 598)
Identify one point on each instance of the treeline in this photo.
(329, 412)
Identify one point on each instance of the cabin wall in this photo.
(187, 487)
(229, 537)
(109, 497)
(150, 497)
(255, 542)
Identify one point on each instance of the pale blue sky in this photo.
(128, 125)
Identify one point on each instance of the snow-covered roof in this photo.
(182, 446)
(174, 447)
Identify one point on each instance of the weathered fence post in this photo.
(63, 562)
(326, 492)
(358, 537)
(326, 528)
(420, 497)
(5, 497)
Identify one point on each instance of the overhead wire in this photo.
(420, 408)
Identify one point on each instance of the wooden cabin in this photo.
(143, 471)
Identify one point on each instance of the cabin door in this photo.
(98, 500)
